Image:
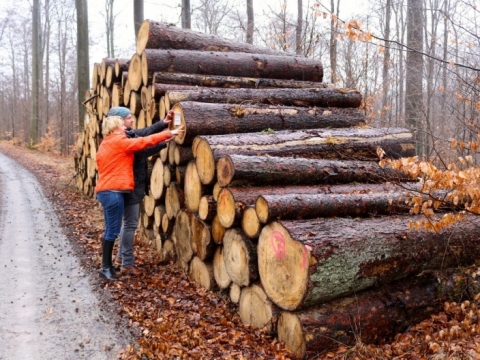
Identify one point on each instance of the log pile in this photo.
(274, 194)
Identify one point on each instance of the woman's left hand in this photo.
(168, 119)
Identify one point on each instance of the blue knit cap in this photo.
(121, 111)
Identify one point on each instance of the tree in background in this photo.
(138, 15)
(83, 71)
(110, 28)
(186, 15)
(299, 29)
(414, 76)
(35, 71)
(250, 21)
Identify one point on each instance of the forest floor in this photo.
(171, 317)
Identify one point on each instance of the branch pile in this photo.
(274, 193)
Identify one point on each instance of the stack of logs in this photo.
(274, 194)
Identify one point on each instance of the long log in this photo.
(325, 97)
(373, 316)
(158, 35)
(345, 144)
(240, 257)
(233, 82)
(229, 64)
(307, 262)
(241, 170)
(300, 206)
(220, 119)
(160, 89)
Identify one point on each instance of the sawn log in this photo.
(307, 262)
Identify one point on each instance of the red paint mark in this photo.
(278, 244)
(224, 198)
(304, 258)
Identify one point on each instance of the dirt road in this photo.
(48, 307)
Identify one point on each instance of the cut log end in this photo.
(205, 162)
(283, 266)
(142, 36)
(240, 257)
(261, 208)
(225, 170)
(218, 231)
(226, 208)
(235, 291)
(177, 108)
(250, 223)
(254, 308)
(290, 332)
(219, 270)
(202, 273)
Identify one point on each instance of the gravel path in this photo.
(49, 309)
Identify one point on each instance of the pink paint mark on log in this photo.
(224, 198)
(304, 258)
(278, 244)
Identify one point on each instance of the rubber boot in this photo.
(107, 269)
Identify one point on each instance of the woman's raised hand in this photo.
(180, 130)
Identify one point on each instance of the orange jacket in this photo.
(115, 159)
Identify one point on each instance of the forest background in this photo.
(415, 62)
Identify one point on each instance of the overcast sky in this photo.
(158, 10)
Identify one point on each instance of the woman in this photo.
(115, 169)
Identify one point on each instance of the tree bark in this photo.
(339, 257)
(157, 35)
(324, 97)
(221, 119)
(241, 170)
(373, 316)
(231, 64)
(82, 57)
(250, 22)
(160, 89)
(303, 206)
(302, 145)
(240, 256)
(220, 81)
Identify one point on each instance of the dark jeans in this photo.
(127, 236)
(112, 203)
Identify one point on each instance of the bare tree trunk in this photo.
(386, 61)
(110, 25)
(414, 76)
(138, 15)
(83, 67)
(333, 40)
(186, 15)
(250, 21)
(35, 71)
(298, 33)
